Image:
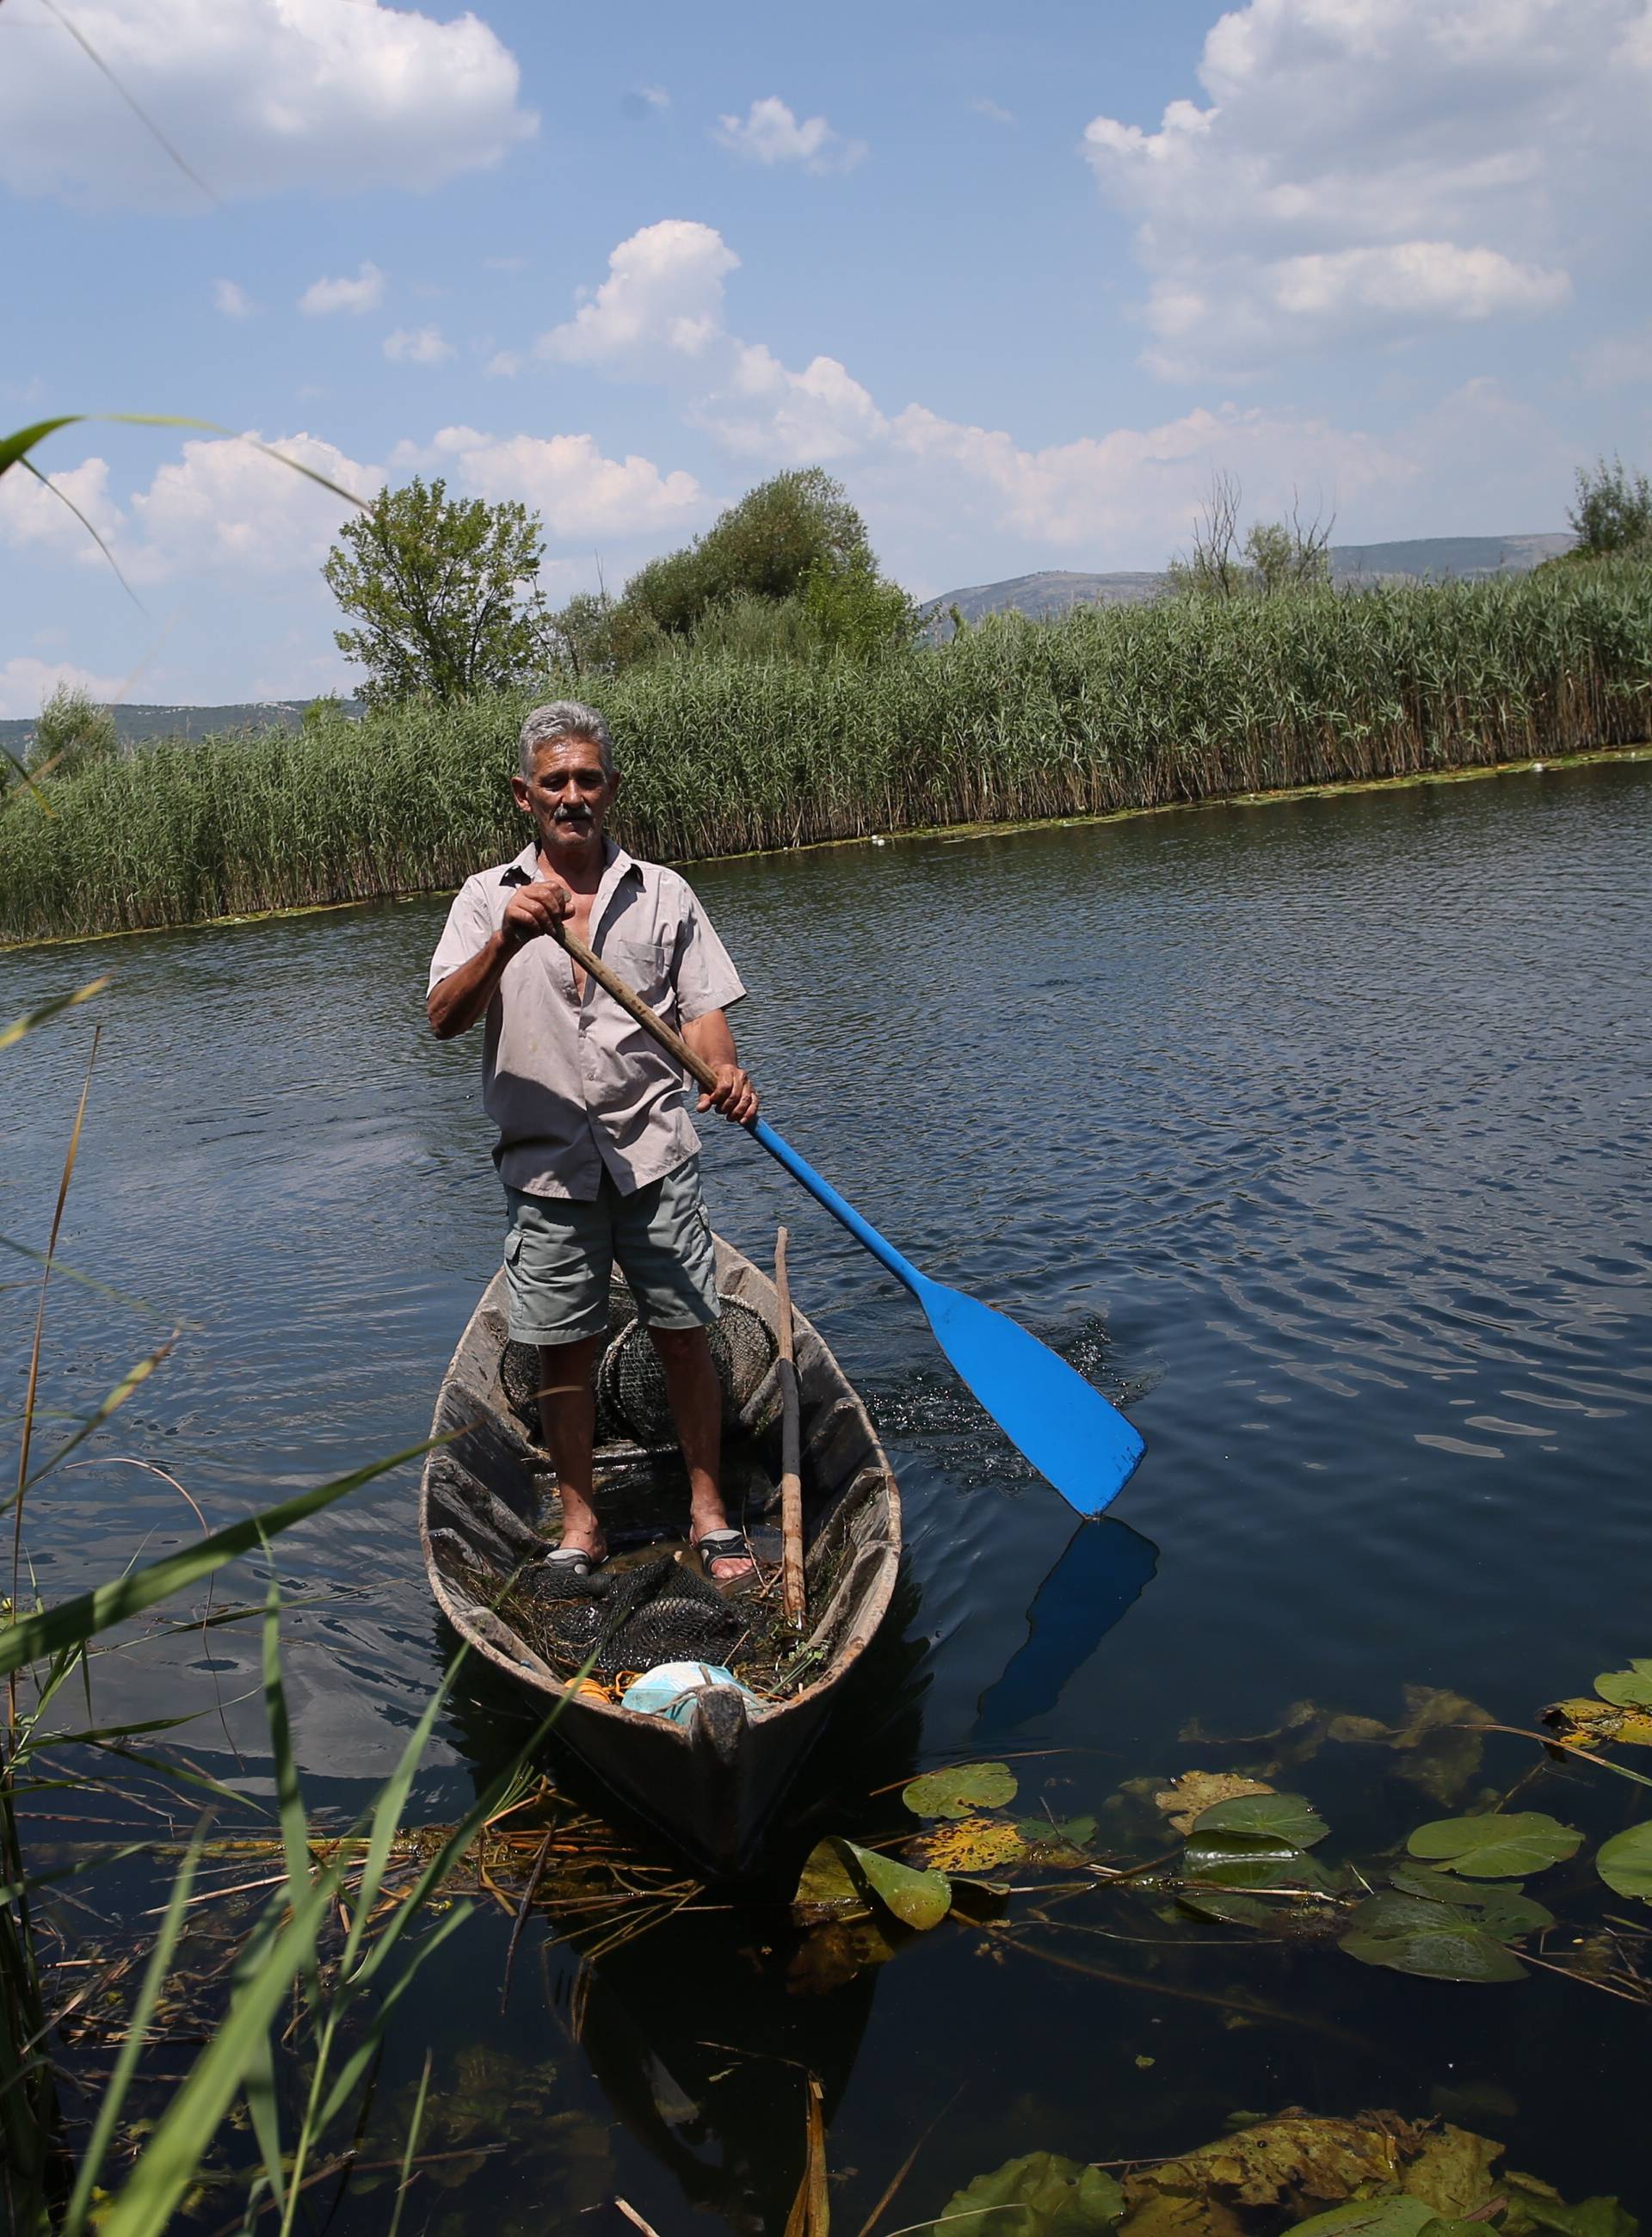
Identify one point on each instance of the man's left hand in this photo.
(734, 1095)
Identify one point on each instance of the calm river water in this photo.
(1317, 1131)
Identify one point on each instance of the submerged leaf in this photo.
(1442, 1752)
(1436, 1940)
(1628, 1689)
(1534, 2206)
(829, 1956)
(1039, 2195)
(1185, 1801)
(1234, 1909)
(1285, 1818)
(1625, 1861)
(1248, 1860)
(1496, 1846)
(962, 1787)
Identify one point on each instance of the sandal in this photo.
(574, 1560)
(729, 1545)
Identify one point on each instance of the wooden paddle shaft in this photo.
(791, 1483)
(613, 984)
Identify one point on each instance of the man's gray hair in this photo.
(565, 718)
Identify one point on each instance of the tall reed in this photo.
(1102, 710)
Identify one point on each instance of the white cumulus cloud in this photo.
(364, 292)
(765, 411)
(417, 345)
(232, 301)
(770, 133)
(258, 96)
(1381, 168)
(579, 493)
(33, 515)
(26, 683)
(662, 299)
(222, 504)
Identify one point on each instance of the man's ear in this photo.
(519, 791)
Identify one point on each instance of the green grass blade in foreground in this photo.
(133, 1379)
(387, 1815)
(415, 2129)
(15, 449)
(145, 2207)
(295, 1831)
(31, 1019)
(114, 2095)
(76, 1619)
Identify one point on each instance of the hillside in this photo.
(133, 723)
(1419, 559)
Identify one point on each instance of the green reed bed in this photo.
(1134, 707)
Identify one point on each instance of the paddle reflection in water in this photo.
(1100, 1574)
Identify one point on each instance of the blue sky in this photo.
(1022, 288)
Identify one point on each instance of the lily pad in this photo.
(826, 1892)
(1625, 1861)
(1435, 1940)
(1248, 1860)
(843, 1881)
(1186, 1799)
(918, 1899)
(1064, 1833)
(1502, 1907)
(1498, 1845)
(969, 1844)
(1039, 2195)
(1398, 2216)
(1597, 1724)
(960, 1788)
(1628, 1689)
(1284, 1817)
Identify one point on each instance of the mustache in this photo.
(571, 815)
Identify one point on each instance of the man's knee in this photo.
(680, 1344)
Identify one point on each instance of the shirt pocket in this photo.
(644, 964)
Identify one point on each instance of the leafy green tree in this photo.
(855, 609)
(438, 587)
(1613, 513)
(1273, 558)
(797, 529)
(73, 733)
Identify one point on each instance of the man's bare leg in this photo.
(568, 1417)
(697, 1409)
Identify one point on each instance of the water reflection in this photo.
(1100, 1574)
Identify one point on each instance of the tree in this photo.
(1613, 512)
(797, 529)
(434, 583)
(1274, 556)
(73, 733)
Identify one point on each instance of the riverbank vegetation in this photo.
(724, 751)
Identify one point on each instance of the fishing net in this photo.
(631, 1400)
(634, 1619)
(630, 1383)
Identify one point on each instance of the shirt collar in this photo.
(616, 864)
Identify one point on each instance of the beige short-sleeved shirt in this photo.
(575, 1086)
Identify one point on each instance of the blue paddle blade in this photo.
(1071, 1434)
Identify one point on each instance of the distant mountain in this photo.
(1421, 560)
(135, 724)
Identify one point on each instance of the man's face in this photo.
(568, 797)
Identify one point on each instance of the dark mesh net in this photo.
(631, 1384)
(633, 1619)
(520, 1377)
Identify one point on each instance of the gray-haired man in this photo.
(596, 1151)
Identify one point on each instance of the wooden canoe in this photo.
(487, 1507)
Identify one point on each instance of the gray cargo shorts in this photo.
(560, 1255)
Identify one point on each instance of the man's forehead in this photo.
(567, 752)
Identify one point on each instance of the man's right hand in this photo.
(532, 910)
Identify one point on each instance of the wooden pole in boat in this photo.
(791, 1482)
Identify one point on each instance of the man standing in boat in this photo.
(596, 1151)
